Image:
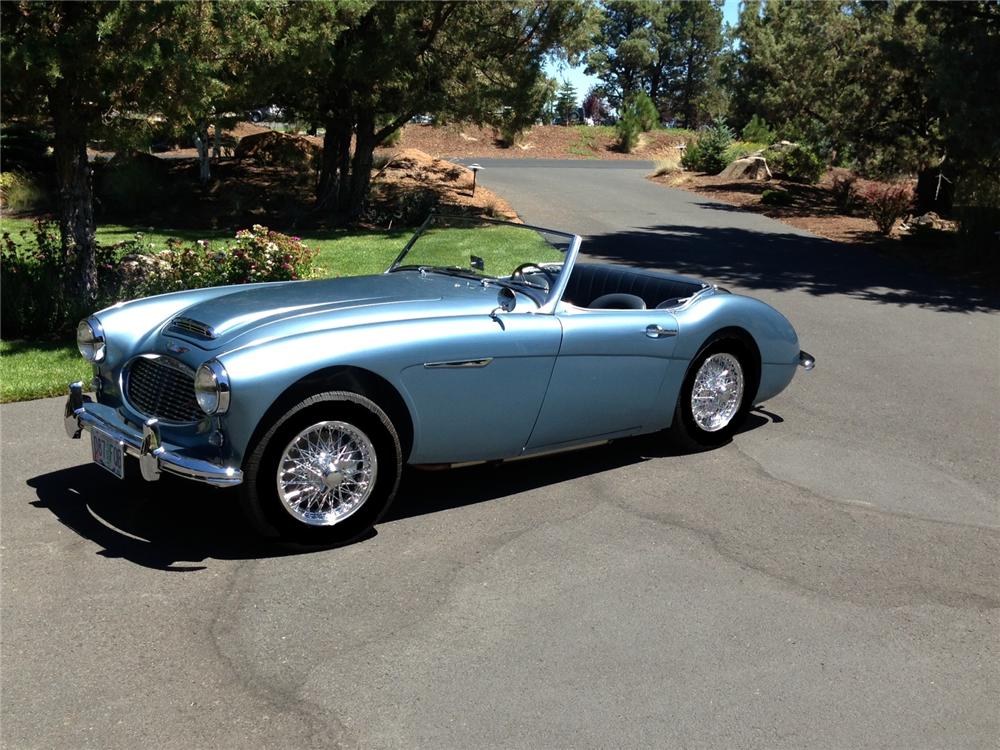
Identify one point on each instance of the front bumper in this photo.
(147, 446)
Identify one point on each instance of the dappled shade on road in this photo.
(784, 261)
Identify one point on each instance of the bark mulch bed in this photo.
(813, 209)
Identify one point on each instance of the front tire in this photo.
(325, 472)
(715, 397)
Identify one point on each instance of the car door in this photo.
(607, 376)
(479, 384)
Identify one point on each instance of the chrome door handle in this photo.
(659, 332)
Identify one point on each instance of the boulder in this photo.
(782, 146)
(929, 220)
(747, 168)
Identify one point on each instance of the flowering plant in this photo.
(887, 202)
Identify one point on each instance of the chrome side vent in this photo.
(192, 328)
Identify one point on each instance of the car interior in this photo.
(603, 287)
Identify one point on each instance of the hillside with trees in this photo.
(897, 92)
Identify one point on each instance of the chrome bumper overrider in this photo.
(146, 445)
(806, 360)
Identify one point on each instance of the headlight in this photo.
(90, 340)
(211, 387)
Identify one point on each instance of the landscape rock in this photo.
(782, 146)
(747, 168)
(929, 220)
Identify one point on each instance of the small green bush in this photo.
(757, 131)
(19, 192)
(886, 203)
(129, 185)
(393, 139)
(977, 209)
(774, 197)
(708, 153)
(33, 274)
(629, 129)
(639, 115)
(644, 109)
(23, 149)
(845, 193)
(509, 134)
(798, 164)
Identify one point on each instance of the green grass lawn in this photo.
(35, 370)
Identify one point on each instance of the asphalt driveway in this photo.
(829, 579)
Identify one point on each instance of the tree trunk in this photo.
(326, 185)
(201, 142)
(361, 165)
(76, 207)
(344, 166)
(335, 165)
(217, 140)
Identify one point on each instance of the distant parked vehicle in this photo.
(422, 119)
(269, 113)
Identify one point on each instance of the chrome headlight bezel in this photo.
(90, 341)
(211, 387)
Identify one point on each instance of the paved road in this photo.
(829, 579)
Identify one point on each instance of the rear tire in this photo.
(714, 398)
(325, 472)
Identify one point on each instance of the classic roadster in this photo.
(484, 341)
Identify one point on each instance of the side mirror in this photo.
(506, 300)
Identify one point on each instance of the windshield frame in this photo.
(555, 291)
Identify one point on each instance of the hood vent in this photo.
(192, 328)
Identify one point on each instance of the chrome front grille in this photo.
(193, 327)
(162, 387)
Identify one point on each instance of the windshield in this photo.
(483, 249)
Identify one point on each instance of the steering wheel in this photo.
(523, 279)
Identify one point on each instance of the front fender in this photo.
(771, 331)
(260, 373)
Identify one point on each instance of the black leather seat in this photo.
(617, 301)
(589, 282)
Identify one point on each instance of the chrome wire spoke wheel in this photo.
(326, 473)
(717, 392)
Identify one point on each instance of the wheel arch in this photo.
(344, 378)
(746, 342)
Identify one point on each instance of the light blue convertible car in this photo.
(483, 341)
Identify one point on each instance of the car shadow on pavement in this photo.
(786, 261)
(175, 525)
(423, 492)
(159, 525)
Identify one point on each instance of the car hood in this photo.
(266, 311)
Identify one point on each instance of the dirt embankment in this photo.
(539, 142)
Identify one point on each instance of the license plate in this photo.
(108, 453)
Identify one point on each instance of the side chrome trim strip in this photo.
(458, 364)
